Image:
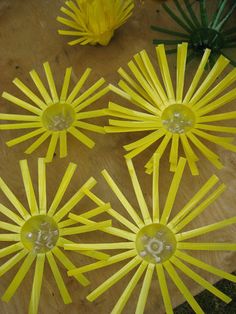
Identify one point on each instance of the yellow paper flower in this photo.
(154, 242)
(94, 21)
(40, 233)
(55, 116)
(171, 116)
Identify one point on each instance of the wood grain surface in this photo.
(28, 37)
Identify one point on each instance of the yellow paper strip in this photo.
(164, 289)
(38, 83)
(51, 82)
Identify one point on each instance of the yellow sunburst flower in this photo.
(55, 116)
(154, 243)
(171, 116)
(94, 21)
(40, 233)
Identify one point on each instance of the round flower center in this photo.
(178, 118)
(39, 234)
(203, 38)
(58, 117)
(155, 243)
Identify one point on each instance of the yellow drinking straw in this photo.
(94, 21)
(168, 115)
(55, 116)
(38, 234)
(154, 242)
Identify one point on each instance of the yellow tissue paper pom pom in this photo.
(39, 234)
(156, 244)
(94, 21)
(55, 116)
(169, 114)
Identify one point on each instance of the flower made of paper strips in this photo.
(201, 32)
(40, 233)
(94, 21)
(168, 114)
(55, 116)
(154, 243)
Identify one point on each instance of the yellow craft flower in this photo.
(171, 116)
(155, 242)
(94, 21)
(40, 233)
(55, 116)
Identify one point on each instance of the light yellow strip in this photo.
(138, 100)
(181, 67)
(216, 128)
(29, 94)
(153, 75)
(78, 86)
(207, 246)
(63, 144)
(150, 138)
(69, 265)
(174, 151)
(73, 201)
(42, 186)
(14, 201)
(100, 246)
(219, 102)
(21, 103)
(52, 146)
(194, 200)
(217, 69)
(182, 288)
(173, 191)
(14, 217)
(38, 142)
(9, 227)
(156, 99)
(4, 268)
(83, 229)
(81, 137)
(163, 64)
(217, 117)
(114, 279)
(211, 269)
(22, 125)
(11, 249)
(200, 208)
(19, 277)
(155, 189)
(37, 284)
(142, 300)
(118, 308)
(139, 150)
(18, 117)
(25, 137)
(202, 230)
(9, 237)
(138, 193)
(91, 114)
(62, 188)
(58, 278)
(200, 280)
(51, 82)
(218, 89)
(94, 254)
(29, 190)
(40, 87)
(88, 92)
(164, 289)
(197, 77)
(103, 263)
(122, 220)
(65, 85)
(89, 127)
(131, 211)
